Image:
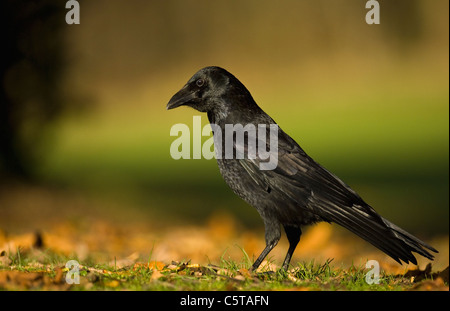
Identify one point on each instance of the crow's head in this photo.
(211, 89)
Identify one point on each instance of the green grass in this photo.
(227, 275)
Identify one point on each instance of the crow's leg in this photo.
(293, 234)
(273, 235)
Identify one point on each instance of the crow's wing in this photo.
(297, 175)
(310, 186)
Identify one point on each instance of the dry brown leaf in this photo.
(5, 261)
(17, 280)
(267, 266)
(173, 267)
(158, 265)
(59, 275)
(291, 277)
(245, 273)
(113, 283)
(443, 274)
(193, 266)
(124, 262)
(417, 275)
(431, 285)
(156, 275)
(222, 271)
(21, 242)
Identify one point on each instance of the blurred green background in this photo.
(86, 103)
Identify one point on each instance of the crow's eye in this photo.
(200, 82)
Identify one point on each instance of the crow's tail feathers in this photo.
(409, 243)
(388, 237)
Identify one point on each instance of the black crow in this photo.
(298, 191)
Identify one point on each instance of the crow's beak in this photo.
(182, 97)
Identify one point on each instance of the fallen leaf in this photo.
(244, 272)
(443, 274)
(267, 266)
(431, 285)
(291, 277)
(153, 265)
(113, 283)
(173, 267)
(193, 266)
(156, 275)
(59, 275)
(417, 275)
(5, 261)
(158, 265)
(29, 280)
(124, 262)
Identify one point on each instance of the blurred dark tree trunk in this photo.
(31, 70)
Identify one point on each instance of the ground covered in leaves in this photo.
(114, 250)
(41, 261)
(156, 275)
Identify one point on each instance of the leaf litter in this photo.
(115, 258)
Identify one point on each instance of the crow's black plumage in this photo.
(298, 191)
